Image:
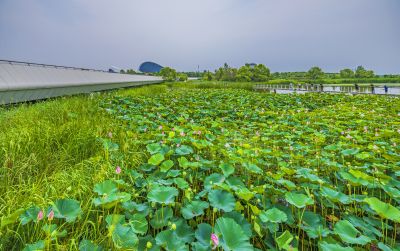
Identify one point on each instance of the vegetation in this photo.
(260, 73)
(168, 74)
(151, 169)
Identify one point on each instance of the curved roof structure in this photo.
(150, 67)
(21, 81)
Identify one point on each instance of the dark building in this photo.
(150, 67)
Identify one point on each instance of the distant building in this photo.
(150, 67)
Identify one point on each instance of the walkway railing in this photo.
(355, 89)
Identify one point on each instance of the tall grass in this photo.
(51, 150)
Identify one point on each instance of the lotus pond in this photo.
(238, 170)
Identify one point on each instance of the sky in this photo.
(285, 35)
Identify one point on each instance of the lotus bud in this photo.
(184, 173)
(253, 217)
(153, 204)
(149, 245)
(215, 210)
(173, 227)
(258, 200)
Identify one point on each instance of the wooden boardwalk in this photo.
(304, 88)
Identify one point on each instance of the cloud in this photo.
(284, 35)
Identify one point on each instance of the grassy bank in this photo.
(55, 149)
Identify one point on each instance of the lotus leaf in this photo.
(349, 234)
(162, 194)
(221, 200)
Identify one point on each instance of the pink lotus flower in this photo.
(110, 135)
(342, 133)
(173, 128)
(199, 132)
(40, 215)
(145, 129)
(182, 134)
(178, 145)
(118, 170)
(160, 127)
(163, 133)
(258, 133)
(51, 215)
(215, 241)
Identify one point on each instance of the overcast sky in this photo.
(285, 35)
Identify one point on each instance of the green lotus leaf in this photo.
(244, 194)
(138, 223)
(181, 183)
(273, 215)
(183, 150)
(156, 159)
(349, 234)
(166, 165)
(124, 237)
(113, 220)
(231, 235)
(203, 234)
(284, 240)
(161, 217)
(383, 209)
(383, 247)
(106, 187)
(86, 245)
(53, 232)
(213, 179)
(324, 246)
(170, 241)
(193, 209)
(37, 246)
(335, 196)
(163, 194)
(253, 168)
(363, 155)
(353, 180)
(143, 242)
(243, 223)
(184, 231)
(111, 200)
(227, 169)
(153, 148)
(351, 151)
(31, 214)
(298, 200)
(67, 209)
(221, 200)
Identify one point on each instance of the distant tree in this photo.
(315, 73)
(208, 76)
(168, 74)
(370, 74)
(226, 73)
(347, 73)
(260, 73)
(244, 74)
(361, 72)
(130, 71)
(122, 71)
(182, 77)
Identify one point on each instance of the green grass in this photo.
(50, 150)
